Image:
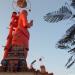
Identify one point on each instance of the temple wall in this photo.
(18, 73)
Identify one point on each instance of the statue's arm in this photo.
(25, 22)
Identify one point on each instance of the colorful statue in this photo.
(18, 32)
(17, 45)
(21, 35)
(12, 27)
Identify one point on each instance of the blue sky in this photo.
(43, 35)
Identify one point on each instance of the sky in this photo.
(43, 35)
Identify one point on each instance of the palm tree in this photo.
(68, 40)
(56, 16)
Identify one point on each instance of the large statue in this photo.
(12, 27)
(21, 35)
(18, 32)
(17, 45)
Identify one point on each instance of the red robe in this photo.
(12, 27)
(21, 35)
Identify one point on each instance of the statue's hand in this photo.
(31, 23)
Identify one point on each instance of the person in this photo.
(12, 28)
(21, 35)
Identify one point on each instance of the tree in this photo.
(68, 40)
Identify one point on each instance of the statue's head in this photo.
(14, 14)
(24, 12)
(21, 3)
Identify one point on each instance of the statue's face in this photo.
(25, 12)
(14, 14)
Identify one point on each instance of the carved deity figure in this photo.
(21, 35)
(12, 27)
(18, 33)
